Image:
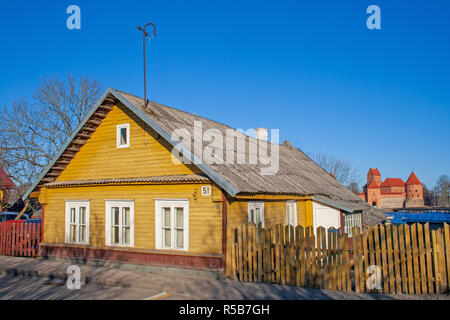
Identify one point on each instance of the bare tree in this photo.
(343, 170)
(441, 191)
(353, 186)
(428, 197)
(32, 132)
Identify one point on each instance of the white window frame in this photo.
(291, 204)
(109, 204)
(172, 203)
(352, 220)
(77, 204)
(255, 205)
(119, 128)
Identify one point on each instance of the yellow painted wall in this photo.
(205, 218)
(274, 212)
(146, 156)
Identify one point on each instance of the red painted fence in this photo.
(20, 239)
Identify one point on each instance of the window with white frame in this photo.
(291, 213)
(123, 135)
(352, 220)
(256, 213)
(172, 224)
(77, 221)
(119, 223)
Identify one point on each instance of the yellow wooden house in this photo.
(114, 192)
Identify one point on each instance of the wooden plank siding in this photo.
(274, 212)
(147, 155)
(205, 219)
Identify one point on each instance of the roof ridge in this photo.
(199, 116)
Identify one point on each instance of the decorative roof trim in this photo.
(152, 180)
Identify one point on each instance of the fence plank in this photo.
(390, 259)
(423, 266)
(338, 262)
(334, 262)
(348, 266)
(37, 228)
(410, 275)
(447, 251)
(292, 253)
(282, 255)
(287, 254)
(385, 277)
(308, 259)
(239, 253)
(343, 262)
(318, 281)
(312, 245)
(255, 252)
(277, 253)
(2, 239)
(250, 252)
(245, 253)
(232, 239)
(302, 257)
(377, 246)
(259, 252)
(402, 253)
(322, 241)
(398, 277)
(329, 253)
(355, 234)
(415, 252)
(365, 239)
(429, 258)
(442, 267)
(437, 276)
(297, 256)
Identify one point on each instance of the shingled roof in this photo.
(297, 174)
(413, 180)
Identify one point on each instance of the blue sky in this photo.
(379, 98)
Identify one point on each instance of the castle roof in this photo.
(375, 172)
(393, 182)
(373, 184)
(413, 180)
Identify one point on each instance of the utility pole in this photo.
(146, 34)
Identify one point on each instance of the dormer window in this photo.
(123, 135)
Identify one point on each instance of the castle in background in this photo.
(392, 193)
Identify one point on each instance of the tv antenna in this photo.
(151, 36)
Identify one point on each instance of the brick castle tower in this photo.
(392, 192)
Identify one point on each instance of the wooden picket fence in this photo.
(409, 259)
(20, 239)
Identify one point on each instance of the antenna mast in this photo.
(146, 34)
